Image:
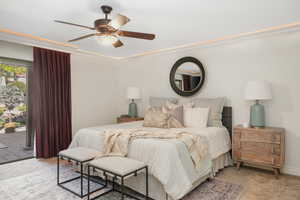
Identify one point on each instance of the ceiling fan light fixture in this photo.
(107, 40)
(119, 21)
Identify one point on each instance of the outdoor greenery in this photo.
(12, 96)
(20, 85)
(2, 110)
(8, 70)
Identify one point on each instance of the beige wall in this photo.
(94, 91)
(17, 51)
(229, 66)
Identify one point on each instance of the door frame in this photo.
(29, 126)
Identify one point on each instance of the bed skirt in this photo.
(221, 162)
(156, 189)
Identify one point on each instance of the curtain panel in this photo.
(51, 101)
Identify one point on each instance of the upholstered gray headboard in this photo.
(227, 118)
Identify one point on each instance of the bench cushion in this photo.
(117, 165)
(80, 154)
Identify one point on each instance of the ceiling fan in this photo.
(108, 29)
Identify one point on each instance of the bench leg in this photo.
(81, 179)
(113, 183)
(57, 170)
(106, 181)
(88, 189)
(147, 185)
(122, 188)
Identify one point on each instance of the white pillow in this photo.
(216, 108)
(195, 117)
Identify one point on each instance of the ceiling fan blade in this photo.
(117, 44)
(83, 37)
(138, 35)
(82, 26)
(119, 21)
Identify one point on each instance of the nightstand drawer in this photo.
(260, 136)
(260, 158)
(258, 147)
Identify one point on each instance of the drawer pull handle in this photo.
(273, 160)
(273, 149)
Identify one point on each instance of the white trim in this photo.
(291, 170)
(220, 40)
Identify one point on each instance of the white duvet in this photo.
(168, 161)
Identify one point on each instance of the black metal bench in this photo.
(117, 167)
(80, 156)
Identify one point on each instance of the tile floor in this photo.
(15, 151)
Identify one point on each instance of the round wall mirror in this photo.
(187, 76)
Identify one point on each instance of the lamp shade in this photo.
(258, 90)
(133, 93)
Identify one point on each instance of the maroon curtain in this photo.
(51, 92)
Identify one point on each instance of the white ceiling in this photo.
(175, 22)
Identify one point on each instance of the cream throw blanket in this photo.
(117, 141)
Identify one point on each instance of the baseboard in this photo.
(291, 171)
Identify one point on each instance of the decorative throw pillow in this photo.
(195, 117)
(160, 101)
(216, 108)
(174, 123)
(176, 117)
(155, 117)
(174, 110)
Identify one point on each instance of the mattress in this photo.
(169, 161)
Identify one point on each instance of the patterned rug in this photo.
(41, 185)
(210, 190)
(3, 146)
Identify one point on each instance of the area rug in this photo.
(41, 185)
(210, 190)
(3, 146)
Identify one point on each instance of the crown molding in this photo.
(75, 49)
(219, 40)
(25, 35)
(31, 40)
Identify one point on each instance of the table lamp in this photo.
(258, 91)
(132, 94)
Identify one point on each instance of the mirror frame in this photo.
(173, 72)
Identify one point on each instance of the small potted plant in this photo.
(10, 127)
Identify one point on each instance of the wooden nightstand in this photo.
(128, 119)
(259, 146)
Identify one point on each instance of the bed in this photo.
(172, 172)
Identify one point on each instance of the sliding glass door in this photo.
(16, 138)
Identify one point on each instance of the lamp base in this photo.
(257, 115)
(132, 111)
